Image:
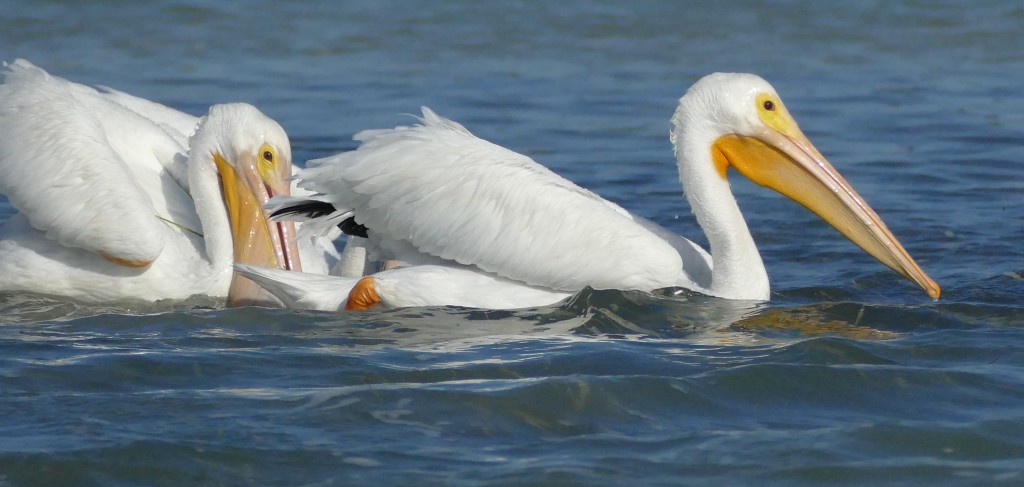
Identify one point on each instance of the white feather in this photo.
(425, 285)
(434, 285)
(438, 190)
(57, 147)
(100, 177)
(301, 290)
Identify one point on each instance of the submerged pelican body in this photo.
(120, 198)
(434, 194)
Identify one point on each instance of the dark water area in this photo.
(848, 376)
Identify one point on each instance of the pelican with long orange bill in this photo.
(435, 194)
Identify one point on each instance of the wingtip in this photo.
(428, 114)
(243, 268)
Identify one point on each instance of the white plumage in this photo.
(402, 287)
(462, 199)
(120, 198)
(435, 194)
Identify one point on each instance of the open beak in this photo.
(787, 162)
(257, 239)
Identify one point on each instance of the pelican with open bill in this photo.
(123, 199)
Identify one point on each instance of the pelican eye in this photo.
(772, 113)
(268, 155)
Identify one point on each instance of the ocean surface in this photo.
(850, 375)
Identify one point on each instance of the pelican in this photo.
(123, 199)
(434, 194)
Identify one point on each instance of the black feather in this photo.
(350, 227)
(316, 209)
(308, 208)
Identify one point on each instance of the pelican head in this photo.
(745, 126)
(253, 158)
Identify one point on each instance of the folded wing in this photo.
(88, 170)
(444, 192)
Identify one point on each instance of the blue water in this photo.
(849, 376)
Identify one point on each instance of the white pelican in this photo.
(435, 194)
(118, 202)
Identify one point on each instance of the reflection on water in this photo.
(811, 321)
(667, 314)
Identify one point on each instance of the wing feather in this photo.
(80, 167)
(179, 125)
(461, 198)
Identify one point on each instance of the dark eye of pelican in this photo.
(769, 105)
(268, 156)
